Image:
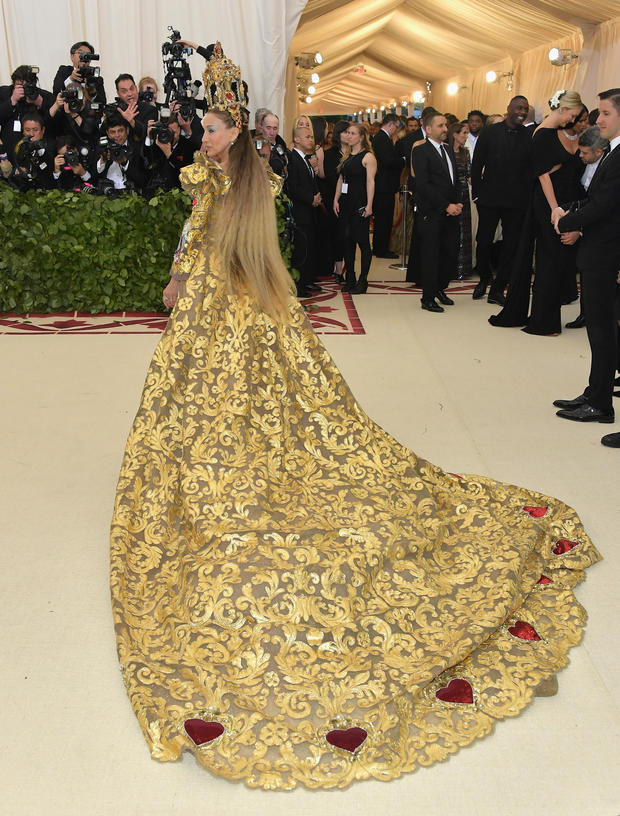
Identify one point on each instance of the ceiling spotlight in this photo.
(491, 76)
(311, 89)
(308, 99)
(382, 107)
(318, 57)
(562, 56)
(453, 88)
(418, 96)
(315, 78)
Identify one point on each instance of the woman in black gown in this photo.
(457, 136)
(353, 204)
(327, 187)
(558, 169)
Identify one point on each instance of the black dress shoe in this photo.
(314, 287)
(570, 404)
(431, 306)
(578, 323)
(480, 290)
(617, 381)
(496, 297)
(349, 286)
(304, 293)
(360, 288)
(443, 298)
(611, 440)
(391, 255)
(586, 413)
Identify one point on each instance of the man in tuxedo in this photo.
(501, 185)
(302, 189)
(598, 259)
(438, 207)
(124, 164)
(475, 121)
(137, 113)
(389, 166)
(74, 74)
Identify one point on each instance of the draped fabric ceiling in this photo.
(379, 51)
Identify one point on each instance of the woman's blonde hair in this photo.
(569, 99)
(246, 231)
(364, 132)
(151, 81)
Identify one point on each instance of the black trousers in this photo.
(438, 238)
(353, 233)
(599, 302)
(304, 257)
(383, 208)
(488, 219)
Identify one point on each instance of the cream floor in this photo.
(467, 396)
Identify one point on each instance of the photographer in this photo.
(148, 91)
(34, 158)
(72, 115)
(24, 94)
(135, 112)
(278, 154)
(73, 168)
(6, 168)
(120, 161)
(169, 146)
(81, 73)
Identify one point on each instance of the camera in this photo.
(110, 108)
(178, 85)
(146, 96)
(162, 132)
(28, 155)
(74, 156)
(73, 96)
(116, 152)
(175, 49)
(31, 87)
(187, 107)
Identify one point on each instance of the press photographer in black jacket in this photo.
(23, 95)
(80, 72)
(33, 156)
(169, 146)
(122, 162)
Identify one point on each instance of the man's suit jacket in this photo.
(434, 189)
(301, 187)
(599, 218)
(63, 74)
(403, 148)
(389, 164)
(501, 172)
(9, 114)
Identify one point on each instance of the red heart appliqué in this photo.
(457, 691)
(524, 631)
(535, 512)
(544, 580)
(201, 732)
(564, 545)
(349, 739)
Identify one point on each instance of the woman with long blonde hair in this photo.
(297, 597)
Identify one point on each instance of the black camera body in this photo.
(146, 96)
(116, 152)
(162, 132)
(73, 96)
(28, 155)
(178, 85)
(111, 107)
(76, 155)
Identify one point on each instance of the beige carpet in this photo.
(470, 397)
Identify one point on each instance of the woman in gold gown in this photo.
(297, 597)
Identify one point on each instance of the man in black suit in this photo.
(137, 113)
(389, 166)
(598, 259)
(74, 74)
(123, 163)
(501, 185)
(438, 207)
(23, 95)
(302, 189)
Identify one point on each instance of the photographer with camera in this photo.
(73, 168)
(278, 153)
(169, 146)
(6, 168)
(34, 157)
(73, 115)
(148, 91)
(24, 94)
(81, 73)
(120, 161)
(134, 111)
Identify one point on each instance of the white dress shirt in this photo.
(438, 148)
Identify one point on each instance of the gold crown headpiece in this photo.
(224, 88)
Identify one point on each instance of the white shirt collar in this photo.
(436, 145)
(613, 143)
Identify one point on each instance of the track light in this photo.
(493, 76)
(418, 96)
(562, 56)
(315, 78)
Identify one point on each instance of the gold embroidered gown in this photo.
(297, 597)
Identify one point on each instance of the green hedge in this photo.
(66, 252)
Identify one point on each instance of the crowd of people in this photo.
(487, 190)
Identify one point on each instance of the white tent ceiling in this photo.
(402, 44)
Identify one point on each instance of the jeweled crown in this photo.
(224, 88)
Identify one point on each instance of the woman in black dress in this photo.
(327, 186)
(457, 136)
(558, 170)
(353, 203)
